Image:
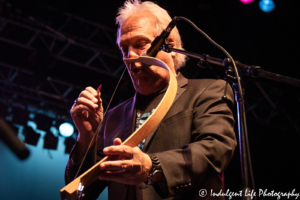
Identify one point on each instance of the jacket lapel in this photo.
(181, 81)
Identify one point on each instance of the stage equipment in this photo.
(12, 126)
(50, 141)
(43, 122)
(31, 137)
(66, 129)
(267, 5)
(9, 136)
(159, 40)
(69, 143)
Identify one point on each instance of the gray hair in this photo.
(136, 8)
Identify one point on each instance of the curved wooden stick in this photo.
(70, 191)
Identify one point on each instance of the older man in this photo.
(190, 148)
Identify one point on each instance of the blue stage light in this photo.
(66, 129)
(266, 5)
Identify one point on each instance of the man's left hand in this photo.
(132, 166)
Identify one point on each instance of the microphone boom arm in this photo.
(248, 70)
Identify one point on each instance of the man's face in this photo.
(137, 33)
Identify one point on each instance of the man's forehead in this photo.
(127, 29)
(142, 21)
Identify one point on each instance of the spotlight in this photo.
(66, 129)
(31, 137)
(50, 141)
(43, 122)
(266, 5)
(246, 1)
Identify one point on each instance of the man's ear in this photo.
(171, 41)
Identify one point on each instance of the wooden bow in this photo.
(70, 191)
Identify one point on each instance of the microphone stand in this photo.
(252, 71)
(248, 70)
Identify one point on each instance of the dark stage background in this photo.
(51, 50)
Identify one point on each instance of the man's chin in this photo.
(144, 90)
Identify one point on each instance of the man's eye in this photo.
(138, 46)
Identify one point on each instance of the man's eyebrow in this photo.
(135, 38)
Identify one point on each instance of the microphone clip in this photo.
(167, 48)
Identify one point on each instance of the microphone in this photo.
(159, 40)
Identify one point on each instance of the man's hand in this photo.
(125, 164)
(86, 113)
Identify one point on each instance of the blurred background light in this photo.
(266, 5)
(246, 1)
(66, 129)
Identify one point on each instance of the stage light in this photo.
(66, 129)
(50, 141)
(246, 1)
(69, 142)
(31, 137)
(266, 5)
(43, 122)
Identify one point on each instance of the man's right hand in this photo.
(87, 114)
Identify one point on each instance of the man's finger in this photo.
(122, 150)
(117, 141)
(116, 165)
(86, 102)
(89, 96)
(79, 110)
(92, 91)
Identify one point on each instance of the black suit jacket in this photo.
(194, 143)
